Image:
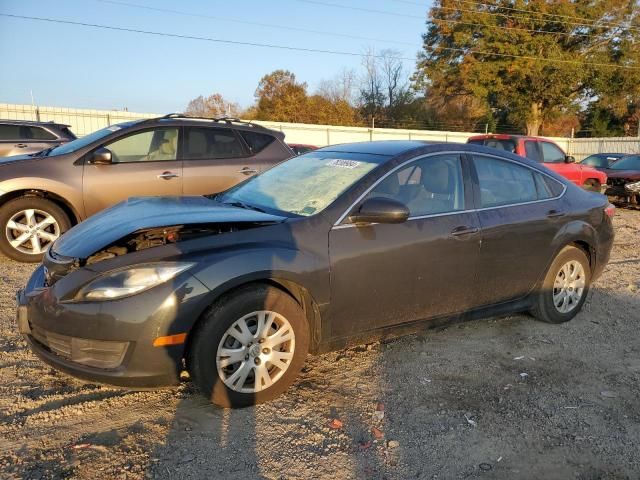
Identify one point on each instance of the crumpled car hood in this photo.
(139, 213)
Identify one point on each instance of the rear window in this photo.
(504, 144)
(627, 163)
(9, 132)
(256, 141)
(38, 133)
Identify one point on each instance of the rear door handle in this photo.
(248, 171)
(20, 145)
(167, 175)
(555, 213)
(464, 230)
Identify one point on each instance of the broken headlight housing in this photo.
(633, 187)
(130, 281)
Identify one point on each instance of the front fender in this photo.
(72, 194)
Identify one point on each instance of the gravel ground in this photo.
(499, 398)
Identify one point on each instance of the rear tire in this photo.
(565, 287)
(28, 226)
(249, 348)
(592, 185)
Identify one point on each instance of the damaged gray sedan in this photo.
(337, 246)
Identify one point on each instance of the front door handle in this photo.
(464, 230)
(20, 145)
(555, 213)
(248, 171)
(167, 175)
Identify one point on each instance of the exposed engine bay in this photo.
(156, 237)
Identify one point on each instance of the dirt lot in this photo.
(500, 398)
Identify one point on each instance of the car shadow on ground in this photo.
(504, 398)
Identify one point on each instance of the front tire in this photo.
(565, 287)
(249, 347)
(28, 226)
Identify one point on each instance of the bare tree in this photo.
(393, 77)
(212, 106)
(372, 96)
(340, 87)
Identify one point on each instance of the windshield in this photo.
(304, 185)
(627, 163)
(86, 140)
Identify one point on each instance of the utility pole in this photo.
(486, 128)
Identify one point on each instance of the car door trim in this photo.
(339, 225)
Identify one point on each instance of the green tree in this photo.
(280, 98)
(491, 52)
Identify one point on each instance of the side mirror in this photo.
(380, 210)
(101, 156)
(569, 159)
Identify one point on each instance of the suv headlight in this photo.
(633, 187)
(130, 281)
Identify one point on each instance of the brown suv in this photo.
(44, 194)
(20, 137)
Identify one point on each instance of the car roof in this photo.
(34, 123)
(609, 154)
(379, 147)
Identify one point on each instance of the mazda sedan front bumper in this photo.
(112, 341)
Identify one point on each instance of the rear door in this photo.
(144, 163)
(520, 213)
(24, 139)
(214, 159)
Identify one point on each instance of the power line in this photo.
(246, 22)
(501, 27)
(207, 39)
(360, 9)
(498, 14)
(307, 50)
(592, 23)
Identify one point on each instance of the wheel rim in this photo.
(568, 286)
(255, 352)
(31, 231)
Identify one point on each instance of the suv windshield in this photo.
(304, 185)
(87, 139)
(627, 163)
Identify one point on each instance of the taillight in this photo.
(610, 210)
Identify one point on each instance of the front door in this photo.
(214, 160)
(384, 275)
(554, 158)
(144, 163)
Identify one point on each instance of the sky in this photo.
(82, 67)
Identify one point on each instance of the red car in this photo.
(301, 148)
(547, 152)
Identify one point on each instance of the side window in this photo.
(38, 133)
(206, 143)
(504, 183)
(551, 153)
(257, 141)
(427, 186)
(531, 150)
(542, 188)
(9, 132)
(148, 146)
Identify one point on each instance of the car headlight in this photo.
(633, 187)
(129, 281)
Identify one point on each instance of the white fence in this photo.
(84, 121)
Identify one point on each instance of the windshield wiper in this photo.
(246, 206)
(43, 153)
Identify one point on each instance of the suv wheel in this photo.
(565, 287)
(28, 226)
(249, 348)
(592, 185)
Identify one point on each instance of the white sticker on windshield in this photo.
(343, 163)
(113, 129)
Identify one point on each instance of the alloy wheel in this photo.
(31, 231)
(255, 351)
(568, 286)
